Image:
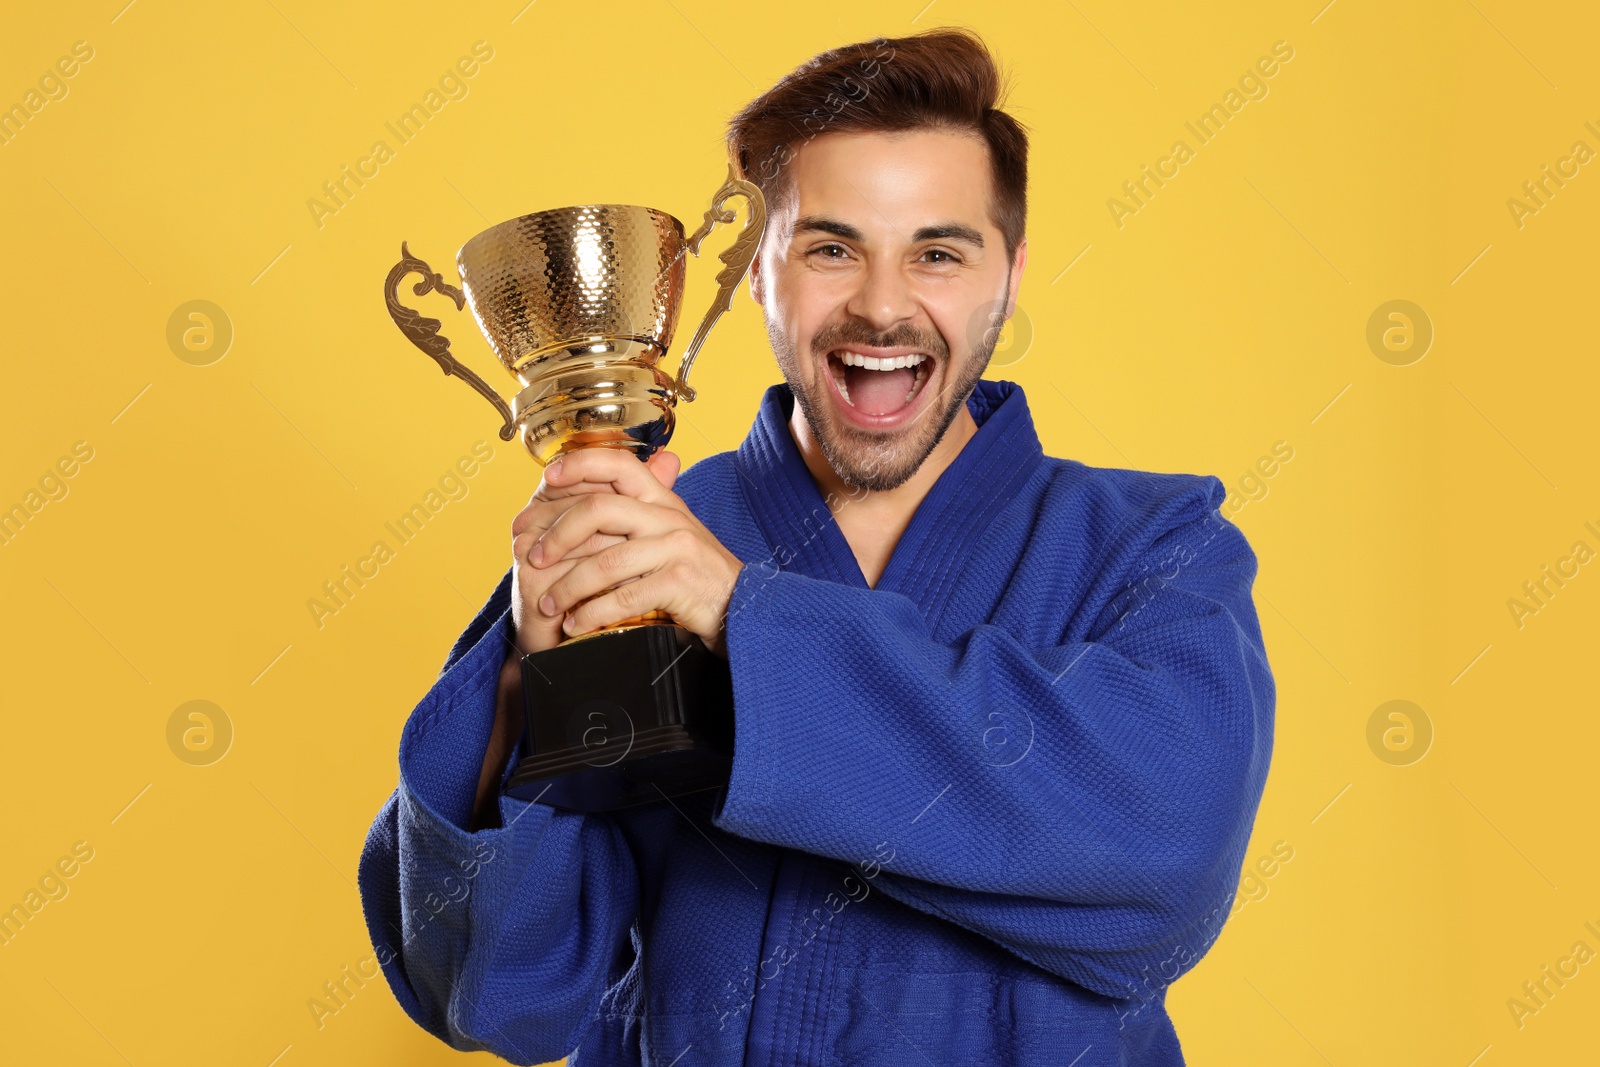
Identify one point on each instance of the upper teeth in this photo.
(856, 359)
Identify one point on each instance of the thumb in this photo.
(665, 466)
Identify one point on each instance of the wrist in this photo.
(503, 738)
(718, 642)
(511, 672)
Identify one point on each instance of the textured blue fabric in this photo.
(984, 812)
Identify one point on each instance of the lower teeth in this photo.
(922, 374)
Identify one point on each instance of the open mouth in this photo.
(878, 386)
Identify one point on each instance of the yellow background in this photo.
(1225, 316)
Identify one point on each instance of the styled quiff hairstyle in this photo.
(942, 79)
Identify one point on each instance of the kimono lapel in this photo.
(947, 526)
(785, 502)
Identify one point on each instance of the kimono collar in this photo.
(946, 528)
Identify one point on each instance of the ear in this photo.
(1017, 264)
(757, 289)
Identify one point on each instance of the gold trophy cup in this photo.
(580, 304)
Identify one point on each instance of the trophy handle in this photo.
(736, 260)
(424, 332)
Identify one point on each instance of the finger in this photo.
(606, 513)
(548, 494)
(539, 515)
(665, 466)
(655, 590)
(534, 630)
(547, 491)
(616, 467)
(632, 559)
(522, 546)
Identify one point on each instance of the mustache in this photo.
(847, 333)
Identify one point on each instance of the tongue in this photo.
(879, 392)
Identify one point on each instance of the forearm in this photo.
(932, 747)
(1083, 804)
(508, 717)
(453, 908)
(500, 939)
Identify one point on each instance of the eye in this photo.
(948, 256)
(830, 248)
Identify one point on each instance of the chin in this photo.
(874, 436)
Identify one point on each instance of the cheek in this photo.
(804, 300)
(967, 329)
(965, 324)
(967, 309)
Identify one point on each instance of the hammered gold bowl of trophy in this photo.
(581, 304)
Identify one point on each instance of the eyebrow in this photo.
(949, 231)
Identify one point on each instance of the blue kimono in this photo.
(982, 813)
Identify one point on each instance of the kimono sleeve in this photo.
(1085, 805)
(501, 939)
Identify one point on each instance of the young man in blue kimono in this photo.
(1002, 720)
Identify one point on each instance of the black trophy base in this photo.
(624, 717)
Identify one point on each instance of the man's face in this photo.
(882, 276)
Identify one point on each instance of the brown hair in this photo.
(938, 79)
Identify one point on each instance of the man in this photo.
(1002, 720)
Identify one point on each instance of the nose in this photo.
(884, 298)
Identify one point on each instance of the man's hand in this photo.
(537, 631)
(614, 555)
